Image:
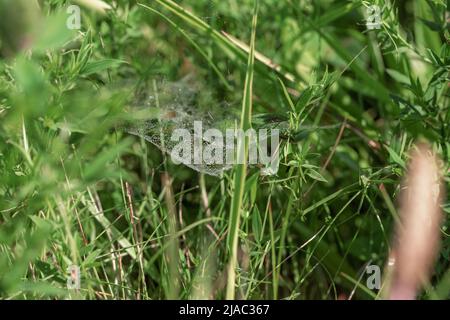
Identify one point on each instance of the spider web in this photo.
(167, 106)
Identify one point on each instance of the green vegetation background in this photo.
(75, 189)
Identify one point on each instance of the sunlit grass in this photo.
(78, 189)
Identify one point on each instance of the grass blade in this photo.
(241, 169)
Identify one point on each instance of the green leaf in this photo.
(101, 65)
(395, 157)
(256, 223)
(315, 175)
(398, 76)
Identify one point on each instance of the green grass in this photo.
(76, 188)
(241, 169)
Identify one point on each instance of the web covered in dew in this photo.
(164, 106)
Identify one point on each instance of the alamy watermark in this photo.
(373, 281)
(73, 21)
(373, 20)
(213, 147)
(73, 279)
